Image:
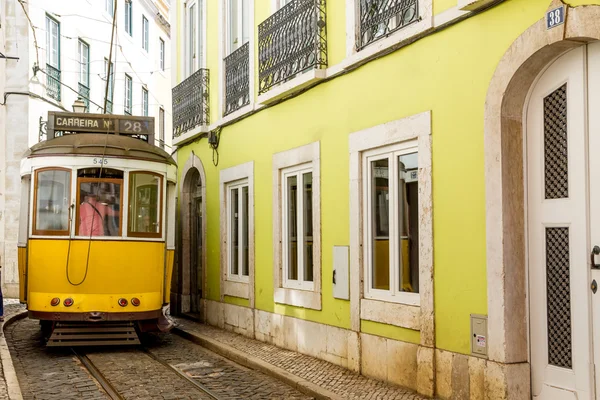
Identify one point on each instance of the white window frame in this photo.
(161, 127)
(390, 153)
(128, 14)
(109, 7)
(239, 23)
(145, 101)
(296, 171)
(417, 317)
(52, 48)
(84, 63)
(111, 81)
(190, 65)
(145, 33)
(161, 59)
(305, 157)
(223, 33)
(128, 103)
(229, 187)
(425, 22)
(232, 285)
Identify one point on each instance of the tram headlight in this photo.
(68, 302)
(54, 302)
(122, 302)
(135, 302)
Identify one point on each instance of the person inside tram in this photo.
(93, 215)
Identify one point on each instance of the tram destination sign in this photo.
(129, 125)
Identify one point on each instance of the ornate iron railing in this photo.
(237, 79)
(190, 103)
(379, 18)
(84, 92)
(53, 82)
(291, 41)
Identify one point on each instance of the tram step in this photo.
(78, 334)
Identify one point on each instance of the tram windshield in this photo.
(52, 193)
(144, 204)
(99, 202)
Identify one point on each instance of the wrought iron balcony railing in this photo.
(53, 82)
(84, 92)
(292, 40)
(379, 18)
(237, 79)
(190, 103)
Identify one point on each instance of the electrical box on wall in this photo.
(341, 265)
(479, 335)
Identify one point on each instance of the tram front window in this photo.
(52, 193)
(99, 199)
(144, 204)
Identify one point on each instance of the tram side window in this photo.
(99, 212)
(52, 194)
(145, 197)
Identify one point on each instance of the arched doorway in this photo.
(510, 367)
(192, 228)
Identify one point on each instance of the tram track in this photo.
(114, 394)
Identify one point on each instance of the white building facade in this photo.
(62, 50)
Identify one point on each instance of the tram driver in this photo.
(93, 215)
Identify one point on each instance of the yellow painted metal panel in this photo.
(22, 258)
(170, 261)
(115, 269)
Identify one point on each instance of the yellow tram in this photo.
(96, 238)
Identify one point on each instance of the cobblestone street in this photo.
(56, 373)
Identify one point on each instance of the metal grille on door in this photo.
(559, 297)
(555, 144)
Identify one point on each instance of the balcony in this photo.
(53, 82)
(190, 103)
(237, 79)
(84, 92)
(379, 18)
(291, 41)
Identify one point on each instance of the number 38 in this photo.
(554, 17)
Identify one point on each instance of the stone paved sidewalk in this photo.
(308, 374)
(9, 385)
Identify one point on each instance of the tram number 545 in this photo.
(100, 161)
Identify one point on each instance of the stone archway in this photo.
(508, 367)
(192, 264)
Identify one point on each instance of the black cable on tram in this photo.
(87, 260)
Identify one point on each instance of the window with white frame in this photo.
(237, 230)
(237, 24)
(144, 101)
(128, 17)
(391, 226)
(111, 82)
(84, 63)
(128, 89)
(161, 49)
(109, 7)
(145, 33)
(297, 229)
(191, 37)
(161, 127)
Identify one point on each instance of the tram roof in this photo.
(92, 144)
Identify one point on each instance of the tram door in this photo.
(196, 249)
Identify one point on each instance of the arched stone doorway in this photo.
(191, 274)
(508, 368)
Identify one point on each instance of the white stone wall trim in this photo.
(401, 315)
(309, 153)
(230, 286)
(506, 255)
(403, 130)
